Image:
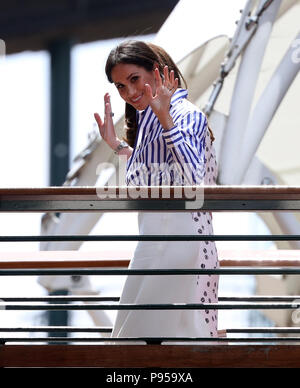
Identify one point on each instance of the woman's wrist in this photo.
(113, 144)
(166, 122)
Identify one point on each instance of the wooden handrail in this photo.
(53, 264)
(208, 198)
(162, 356)
(81, 259)
(211, 192)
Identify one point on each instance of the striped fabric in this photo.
(169, 157)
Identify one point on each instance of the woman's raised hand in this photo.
(106, 127)
(160, 102)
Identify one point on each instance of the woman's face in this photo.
(130, 81)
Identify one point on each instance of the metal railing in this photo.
(220, 198)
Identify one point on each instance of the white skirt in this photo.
(170, 288)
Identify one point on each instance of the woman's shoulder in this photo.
(192, 112)
(181, 103)
(191, 107)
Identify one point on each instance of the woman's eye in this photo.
(119, 86)
(134, 78)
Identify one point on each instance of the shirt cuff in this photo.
(172, 136)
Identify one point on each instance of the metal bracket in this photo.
(246, 27)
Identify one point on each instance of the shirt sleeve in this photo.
(186, 141)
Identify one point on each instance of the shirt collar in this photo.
(140, 114)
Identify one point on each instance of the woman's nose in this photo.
(130, 91)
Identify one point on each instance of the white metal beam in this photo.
(243, 94)
(266, 107)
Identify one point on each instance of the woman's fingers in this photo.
(106, 98)
(176, 83)
(169, 79)
(158, 77)
(172, 77)
(166, 75)
(108, 111)
(106, 125)
(107, 106)
(148, 91)
(101, 124)
(98, 119)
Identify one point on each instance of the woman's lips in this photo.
(137, 99)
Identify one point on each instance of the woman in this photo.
(164, 130)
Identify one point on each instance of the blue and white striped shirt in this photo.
(169, 157)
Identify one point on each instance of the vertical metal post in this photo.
(58, 318)
(60, 52)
